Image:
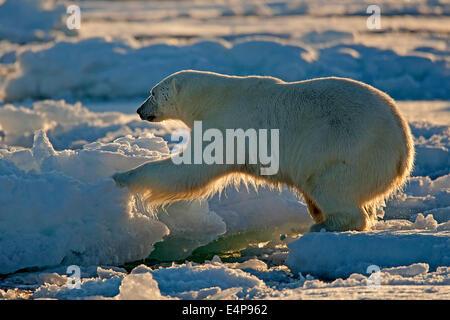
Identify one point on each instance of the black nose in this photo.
(139, 111)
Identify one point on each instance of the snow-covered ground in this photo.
(68, 122)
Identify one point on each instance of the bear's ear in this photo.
(175, 86)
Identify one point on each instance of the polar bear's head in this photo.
(162, 102)
(181, 96)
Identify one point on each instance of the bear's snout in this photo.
(143, 116)
(143, 110)
(139, 112)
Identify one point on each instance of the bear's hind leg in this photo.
(348, 219)
(336, 194)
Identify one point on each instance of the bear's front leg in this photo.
(142, 175)
(165, 181)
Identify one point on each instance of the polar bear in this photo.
(343, 144)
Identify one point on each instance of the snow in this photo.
(68, 122)
(74, 221)
(186, 279)
(37, 19)
(217, 280)
(138, 287)
(422, 195)
(332, 255)
(61, 120)
(83, 72)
